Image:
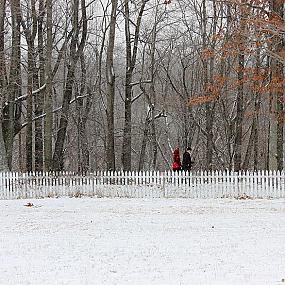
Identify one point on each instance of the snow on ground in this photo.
(140, 242)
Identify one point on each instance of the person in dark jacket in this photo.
(176, 165)
(187, 161)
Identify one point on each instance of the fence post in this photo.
(163, 185)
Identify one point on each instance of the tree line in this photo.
(91, 85)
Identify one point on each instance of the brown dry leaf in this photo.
(243, 197)
(29, 205)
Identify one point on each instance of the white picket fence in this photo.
(216, 184)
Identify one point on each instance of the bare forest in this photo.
(90, 85)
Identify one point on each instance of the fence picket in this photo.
(1, 186)
(154, 184)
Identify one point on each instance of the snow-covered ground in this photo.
(140, 242)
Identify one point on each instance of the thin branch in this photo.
(139, 82)
(137, 97)
(275, 55)
(23, 97)
(55, 110)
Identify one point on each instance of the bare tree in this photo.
(278, 75)
(240, 98)
(76, 49)
(3, 84)
(83, 110)
(131, 57)
(48, 93)
(110, 90)
(30, 31)
(12, 112)
(39, 99)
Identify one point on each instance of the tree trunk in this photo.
(83, 151)
(152, 99)
(280, 119)
(29, 127)
(84, 140)
(30, 34)
(143, 145)
(256, 111)
(39, 98)
(153, 139)
(3, 84)
(127, 142)
(239, 114)
(48, 122)
(272, 125)
(254, 133)
(110, 92)
(239, 99)
(278, 93)
(58, 159)
(209, 105)
(131, 57)
(14, 85)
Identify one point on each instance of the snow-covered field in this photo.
(140, 242)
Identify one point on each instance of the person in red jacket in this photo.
(176, 165)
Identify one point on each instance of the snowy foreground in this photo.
(135, 241)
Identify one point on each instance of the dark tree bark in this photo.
(253, 142)
(39, 99)
(50, 74)
(131, 57)
(11, 113)
(152, 97)
(30, 34)
(208, 70)
(278, 10)
(82, 116)
(144, 143)
(48, 104)
(3, 84)
(110, 77)
(3, 80)
(240, 98)
(75, 53)
(256, 111)
(239, 114)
